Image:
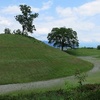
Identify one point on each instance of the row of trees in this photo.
(8, 31)
(59, 37)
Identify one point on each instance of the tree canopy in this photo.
(18, 31)
(26, 19)
(63, 37)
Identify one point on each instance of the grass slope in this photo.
(24, 59)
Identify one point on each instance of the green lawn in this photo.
(25, 59)
(84, 52)
(86, 92)
(95, 76)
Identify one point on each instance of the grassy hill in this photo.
(25, 59)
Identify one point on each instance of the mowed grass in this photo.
(24, 59)
(85, 92)
(84, 52)
(95, 53)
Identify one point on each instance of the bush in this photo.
(90, 92)
(98, 47)
(7, 31)
(90, 48)
(18, 31)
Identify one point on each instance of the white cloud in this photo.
(9, 21)
(89, 37)
(47, 5)
(4, 21)
(39, 37)
(77, 18)
(11, 10)
(35, 9)
(90, 9)
(92, 35)
(14, 9)
(65, 12)
(49, 18)
(42, 30)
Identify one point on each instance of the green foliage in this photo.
(72, 94)
(90, 87)
(89, 92)
(7, 31)
(63, 37)
(26, 19)
(98, 47)
(68, 87)
(18, 31)
(25, 59)
(81, 77)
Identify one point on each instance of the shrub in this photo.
(91, 87)
(98, 47)
(81, 77)
(89, 92)
(90, 48)
(18, 31)
(7, 31)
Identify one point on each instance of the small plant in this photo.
(80, 76)
(68, 86)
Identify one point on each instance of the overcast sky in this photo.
(83, 16)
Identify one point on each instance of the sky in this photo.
(83, 16)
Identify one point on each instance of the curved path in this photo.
(95, 61)
(54, 83)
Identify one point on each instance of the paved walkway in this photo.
(95, 61)
(50, 83)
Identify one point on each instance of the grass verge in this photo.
(87, 92)
(24, 59)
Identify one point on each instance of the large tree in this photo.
(26, 19)
(63, 37)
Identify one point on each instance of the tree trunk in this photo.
(62, 47)
(23, 29)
